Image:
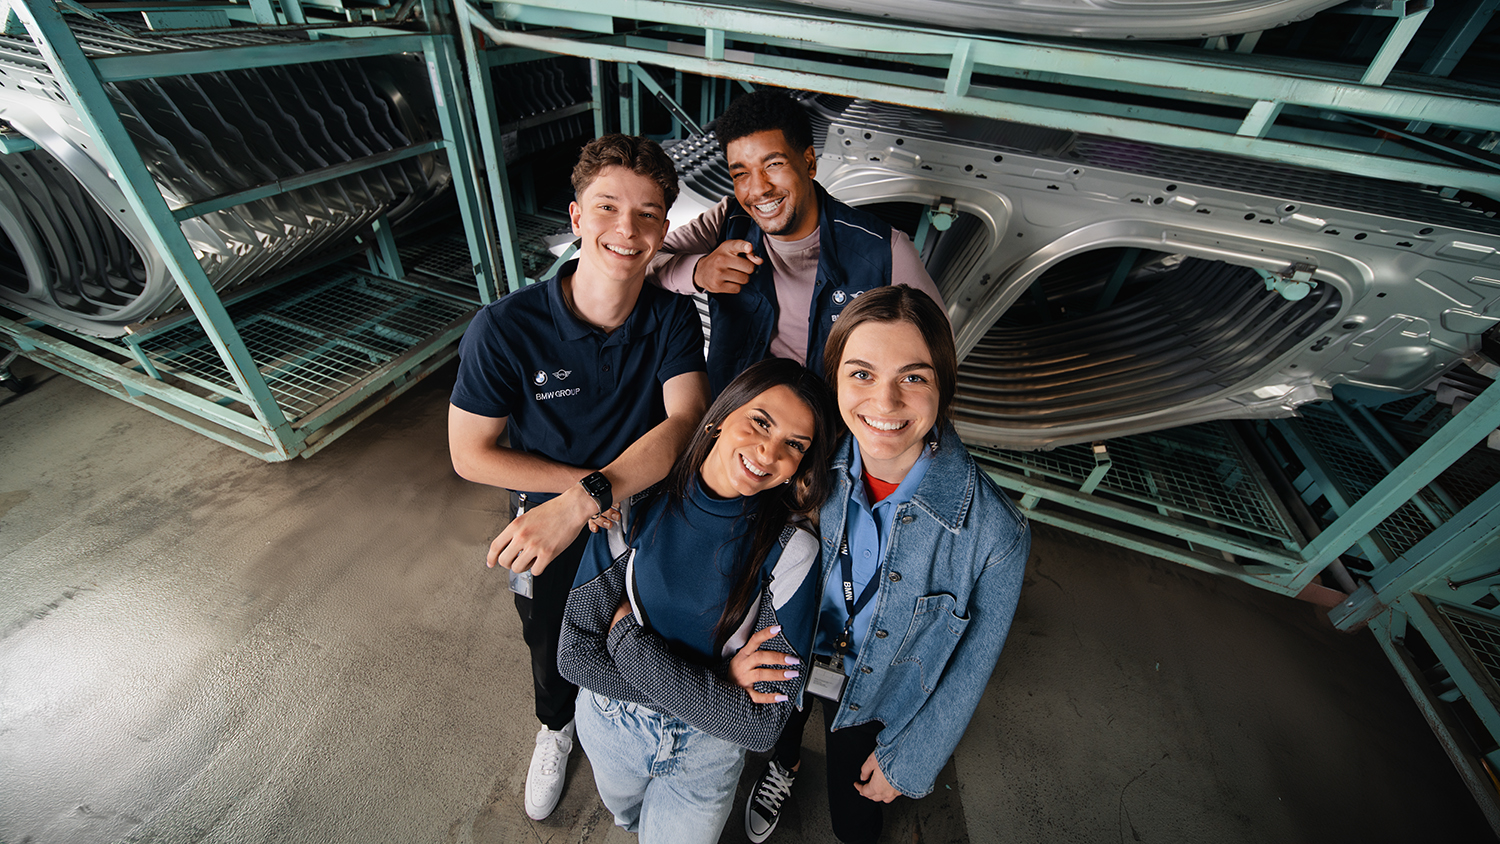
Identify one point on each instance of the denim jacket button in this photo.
(865, 669)
(853, 707)
(908, 519)
(881, 634)
(895, 576)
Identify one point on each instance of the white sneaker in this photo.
(549, 768)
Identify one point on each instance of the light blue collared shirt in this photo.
(866, 531)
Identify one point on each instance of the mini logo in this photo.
(539, 378)
(562, 374)
(839, 297)
(857, 294)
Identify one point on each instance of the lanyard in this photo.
(853, 605)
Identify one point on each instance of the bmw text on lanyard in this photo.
(827, 678)
(853, 605)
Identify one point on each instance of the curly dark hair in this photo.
(759, 111)
(641, 156)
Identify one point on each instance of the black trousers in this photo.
(541, 627)
(856, 819)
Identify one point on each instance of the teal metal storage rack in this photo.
(287, 360)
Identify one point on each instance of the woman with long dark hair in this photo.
(922, 565)
(721, 561)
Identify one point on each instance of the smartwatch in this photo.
(598, 488)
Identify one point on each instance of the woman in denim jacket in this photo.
(926, 552)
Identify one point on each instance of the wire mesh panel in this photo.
(313, 343)
(1349, 458)
(1197, 471)
(1481, 636)
(448, 257)
(1414, 419)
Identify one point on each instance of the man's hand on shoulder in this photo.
(727, 268)
(533, 539)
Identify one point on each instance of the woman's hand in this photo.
(620, 613)
(872, 782)
(605, 520)
(747, 667)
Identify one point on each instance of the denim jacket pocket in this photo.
(934, 633)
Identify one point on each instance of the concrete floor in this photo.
(200, 647)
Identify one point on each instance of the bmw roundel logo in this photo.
(839, 297)
(539, 378)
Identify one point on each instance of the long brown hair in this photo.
(899, 303)
(802, 496)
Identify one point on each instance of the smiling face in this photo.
(621, 218)
(774, 183)
(760, 444)
(888, 395)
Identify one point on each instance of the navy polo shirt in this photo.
(572, 393)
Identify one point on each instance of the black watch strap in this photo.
(598, 488)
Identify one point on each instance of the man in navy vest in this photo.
(781, 258)
(597, 379)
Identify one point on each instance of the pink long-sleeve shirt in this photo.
(794, 269)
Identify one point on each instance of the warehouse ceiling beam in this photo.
(838, 79)
(1166, 68)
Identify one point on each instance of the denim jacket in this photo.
(948, 589)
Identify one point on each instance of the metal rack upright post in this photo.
(282, 376)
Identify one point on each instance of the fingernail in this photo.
(792, 674)
(776, 628)
(791, 660)
(781, 698)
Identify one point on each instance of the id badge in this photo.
(826, 682)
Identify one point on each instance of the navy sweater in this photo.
(677, 571)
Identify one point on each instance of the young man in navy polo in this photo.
(599, 381)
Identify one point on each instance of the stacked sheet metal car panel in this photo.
(1142, 19)
(1101, 287)
(88, 263)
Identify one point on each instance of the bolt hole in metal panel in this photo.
(88, 263)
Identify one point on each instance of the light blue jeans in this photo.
(663, 779)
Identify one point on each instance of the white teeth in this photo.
(884, 426)
(768, 207)
(619, 251)
(754, 471)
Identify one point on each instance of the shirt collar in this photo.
(569, 326)
(701, 498)
(641, 321)
(909, 484)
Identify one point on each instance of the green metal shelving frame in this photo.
(246, 401)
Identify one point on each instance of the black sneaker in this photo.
(764, 807)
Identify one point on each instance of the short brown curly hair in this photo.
(641, 156)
